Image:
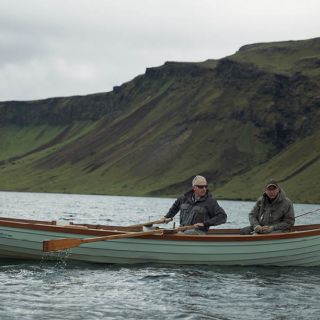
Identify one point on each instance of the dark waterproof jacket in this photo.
(279, 213)
(205, 210)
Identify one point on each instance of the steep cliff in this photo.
(239, 120)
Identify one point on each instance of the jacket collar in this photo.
(190, 195)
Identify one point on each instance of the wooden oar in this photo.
(184, 228)
(148, 224)
(67, 243)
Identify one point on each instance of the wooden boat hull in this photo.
(22, 239)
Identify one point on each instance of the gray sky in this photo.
(52, 48)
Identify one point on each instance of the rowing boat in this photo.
(23, 239)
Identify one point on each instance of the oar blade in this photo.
(60, 244)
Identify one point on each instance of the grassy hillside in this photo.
(296, 168)
(239, 121)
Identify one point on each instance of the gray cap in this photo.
(272, 183)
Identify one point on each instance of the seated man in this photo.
(273, 212)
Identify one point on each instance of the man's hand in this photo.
(267, 229)
(199, 225)
(263, 229)
(165, 219)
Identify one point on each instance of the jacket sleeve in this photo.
(254, 214)
(288, 219)
(217, 215)
(175, 208)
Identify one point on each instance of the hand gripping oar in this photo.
(67, 243)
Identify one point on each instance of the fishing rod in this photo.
(313, 211)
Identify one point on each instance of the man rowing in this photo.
(197, 207)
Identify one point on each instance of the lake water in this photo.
(62, 290)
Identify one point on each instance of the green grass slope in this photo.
(296, 168)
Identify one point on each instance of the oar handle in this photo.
(149, 223)
(183, 228)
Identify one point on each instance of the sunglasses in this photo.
(201, 187)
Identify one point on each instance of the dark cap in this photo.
(272, 183)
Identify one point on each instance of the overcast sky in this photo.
(52, 48)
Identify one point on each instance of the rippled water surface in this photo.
(63, 290)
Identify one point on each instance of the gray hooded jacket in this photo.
(278, 213)
(205, 210)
